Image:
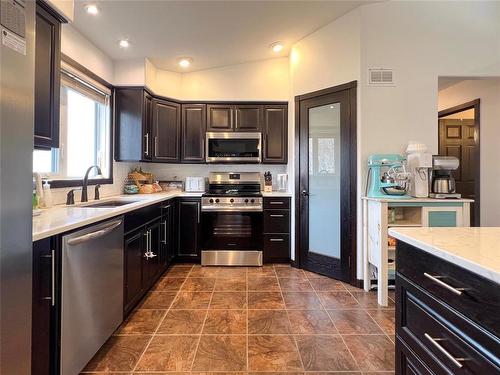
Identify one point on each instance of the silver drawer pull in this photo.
(276, 239)
(457, 291)
(275, 202)
(274, 215)
(434, 341)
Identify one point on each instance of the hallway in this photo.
(270, 319)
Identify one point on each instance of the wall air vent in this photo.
(380, 77)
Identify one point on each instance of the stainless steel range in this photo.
(232, 220)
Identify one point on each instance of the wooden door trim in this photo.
(473, 104)
(351, 90)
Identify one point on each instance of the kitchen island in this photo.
(447, 300)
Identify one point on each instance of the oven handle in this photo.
(229, 209)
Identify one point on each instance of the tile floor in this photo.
(251, 320)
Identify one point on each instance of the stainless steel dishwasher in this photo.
(92, 291)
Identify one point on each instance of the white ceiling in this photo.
(213, 33)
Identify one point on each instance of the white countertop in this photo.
(475, 249)
(60, 219)
(419, 200)
(277, 194)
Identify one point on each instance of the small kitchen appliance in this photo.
(282, 181)
(195, 184)
(387, 176)
(418, 162)
(442, 182)
(232, 214)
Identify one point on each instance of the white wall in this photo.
(163, 82)
(130, 72)
(488, 90)
(65, 7)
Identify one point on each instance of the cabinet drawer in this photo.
(276, 221)
(446, 342)
(407, 363)
(139, 217)
(470, 294)
(277, 203)
(276, 247)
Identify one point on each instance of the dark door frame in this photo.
(351, 203)
(473, 104)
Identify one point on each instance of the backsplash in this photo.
(166, 172)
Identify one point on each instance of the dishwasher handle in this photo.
(93, 235)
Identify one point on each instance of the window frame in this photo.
(64, 183)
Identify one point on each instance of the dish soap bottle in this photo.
(47, 195)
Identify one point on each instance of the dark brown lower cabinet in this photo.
(276, 227)
(437, 331)
(189, 220)
(134, 245)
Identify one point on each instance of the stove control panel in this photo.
(231, 204)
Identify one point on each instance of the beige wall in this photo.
(488, 91)
(64, 7)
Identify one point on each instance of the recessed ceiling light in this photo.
(92, 9)
(277, 47)
(124, 43)
(185, 62)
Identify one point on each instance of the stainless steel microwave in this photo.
(236, 147)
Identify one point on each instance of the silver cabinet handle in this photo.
(457, 291)
(147, 144)
(164, 241)
(156, 147)
(147, 241)
(52, 297)
(276, 239)
(434, 341)
(198, 207)
(276, 202)
(94, 235)
(275, 215)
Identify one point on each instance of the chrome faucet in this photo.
(86, 182)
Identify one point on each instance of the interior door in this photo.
(327, 188)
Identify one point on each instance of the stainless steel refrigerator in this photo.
(17, 69)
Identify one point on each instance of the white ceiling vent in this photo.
(380, 77)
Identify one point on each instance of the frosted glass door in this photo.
(324, 180)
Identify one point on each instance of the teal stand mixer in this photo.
(387, 177)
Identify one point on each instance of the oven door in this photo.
(233, 147)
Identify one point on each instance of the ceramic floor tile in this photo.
(354, 322)
(169, 353)
(325, 353)
(226, 272)
(199, 271)
(337, 300)
(386, 319)
(192, 300)
(294, 284)
(265, 270)
(229, 300)
(183, 322)
(221, 353)
(273, 353)
(372, 352)
(157, 300)
(263, 283)
(169, 284)
(199, 284)
(178, 272)
(302, 301)
(322, 285)
(368, 300)
(290, 272)
(312, 275)
(310, 322)
(268, 322)
(231, 284)
(119, 353)
(226, 322)
(265, 300)
(142, 322)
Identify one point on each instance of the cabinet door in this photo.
(442, 217)
(167, 238)
(248, 118)
(275, 134)
(194, 121)
(151, 260)
(219, 117)
(47, 81)
(147, 115)
(134, 248)
(166, 122)
(43, 306)
(189, 228)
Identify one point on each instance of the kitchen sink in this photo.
(108, 204)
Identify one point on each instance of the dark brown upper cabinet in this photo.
(220, 117)
(275, 134)
(166, 122)
(194, 123)
(133, 114)
(248, 118)
(47, 79)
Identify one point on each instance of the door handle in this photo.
(304, 193)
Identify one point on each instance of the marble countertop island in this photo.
(475, 249)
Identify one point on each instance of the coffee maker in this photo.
(442, 182)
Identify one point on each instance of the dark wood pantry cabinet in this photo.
(194, 124)
(47, 77)
(166, 121)
(275, 134)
